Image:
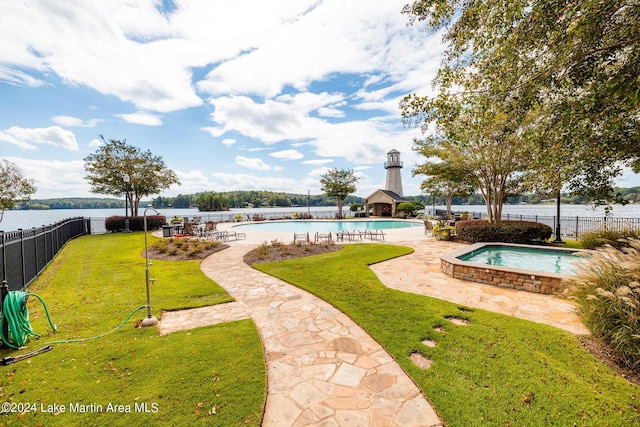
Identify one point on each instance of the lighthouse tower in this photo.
(393, 166)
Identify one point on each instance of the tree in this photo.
(573, 62)
(14, 187)
(476, 141)
(212, 202)
(444, 178)
(114, 159)
(338, 183)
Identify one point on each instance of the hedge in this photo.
(504, 231)
(136, 223)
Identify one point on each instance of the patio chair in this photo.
(323, 236)
(301, 238)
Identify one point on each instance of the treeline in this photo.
(629, 195)
(72, 203)
(246, 199)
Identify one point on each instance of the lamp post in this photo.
(126, 178)
(558, 234)
(150, 320)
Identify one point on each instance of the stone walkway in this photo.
(323, 369)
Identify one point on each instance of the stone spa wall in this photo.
(524, 280)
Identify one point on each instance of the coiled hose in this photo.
(16, 316)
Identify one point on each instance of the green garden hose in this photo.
(16, 316)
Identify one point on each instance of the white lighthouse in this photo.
(393, 166)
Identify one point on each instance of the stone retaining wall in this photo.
(524, 280)
(504, 279)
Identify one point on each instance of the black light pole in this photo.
(558, 237)
(126, 179)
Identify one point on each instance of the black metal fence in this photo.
(570, 226)
(25, 253)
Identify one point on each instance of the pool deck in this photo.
(322, 368)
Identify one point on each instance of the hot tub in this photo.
(533, 269)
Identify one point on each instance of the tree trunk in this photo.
(340, 208)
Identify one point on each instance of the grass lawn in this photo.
(497, 371)
(213, 375)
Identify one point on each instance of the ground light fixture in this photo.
(150, 320)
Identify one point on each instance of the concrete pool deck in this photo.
(323, 369)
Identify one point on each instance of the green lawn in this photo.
(498, 371)
(211, 375)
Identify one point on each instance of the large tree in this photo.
(115, 159)
(576, 63)
(14, 187)
(338, 183)
(444, 177)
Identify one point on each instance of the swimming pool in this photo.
(548, 260)
(305, 226)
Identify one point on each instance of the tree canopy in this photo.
(115, 159)
(573, 64)
(338, 183)
(14, 187)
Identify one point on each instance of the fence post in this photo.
(24, 271)
(577, 225)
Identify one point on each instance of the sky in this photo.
(233, 95)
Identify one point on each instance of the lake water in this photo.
(14, 220)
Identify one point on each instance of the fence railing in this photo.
(570, 226)
(25, 253)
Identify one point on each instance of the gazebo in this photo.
(383, 203)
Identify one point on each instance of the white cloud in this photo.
(228, 142)
(317, 162)
(54, 178)
(95, 143)
(18, 78)
(70, 121)
(330, 112)
(287, 155)
(231, 182)
(145, 119)
(252, 163)
(28, 138)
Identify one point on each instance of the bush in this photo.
(504, 231)
(608, 292)
(136, 223)
(597, 238)
(406, 207)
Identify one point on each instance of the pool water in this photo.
(304, 226)
(550, 261)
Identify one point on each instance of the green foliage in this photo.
(406, 207)
(14, 187)
(136, 223)
(503, 231)
(568, 68)
(212, 202)
(616, 238)
(114, 160)
(338, 183)
(498, 371)
(608, 292)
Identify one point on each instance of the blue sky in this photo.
(234, 95)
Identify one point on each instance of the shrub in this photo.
(136, 223)
(406, 207)
(504, 231)
(608, 293)
(597, 238)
